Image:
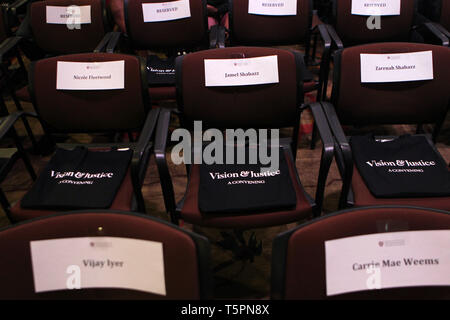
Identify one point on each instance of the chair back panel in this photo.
(89, 110)
(58, 38)
(179, 249)
(253, 106)
(305, 257)
(390, 103)
(252, 29)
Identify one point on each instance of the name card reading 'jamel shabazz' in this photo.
(399, 67)
(90, 75)
(388, 260)
(273, 7)
(68, 15)
(376, 7)
(241, 72)
(98, 262)
(166, 11)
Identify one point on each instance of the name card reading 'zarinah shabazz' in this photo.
(241, 72)
(166, 11)
(273, 7)
(98, 262)
(399, 67)
(388, 260)
(376, 7)
(90, 75)
(68, 15)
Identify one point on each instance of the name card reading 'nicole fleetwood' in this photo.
(166, 11)
(241, 72)
(376, 7)
(388, 260)
(68, 15)
(90, 75)
(397, 67)
(273, 7)
(98, 262)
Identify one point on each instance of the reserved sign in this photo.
(241, 72)
(68, 15)
(273, 7)
(397, 67)
(376, 7)
(166, 11)
(90, 75)
(388, 260)
(98, 262)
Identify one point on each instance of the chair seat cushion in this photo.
(190, 211)
(162, 93)
(122, 201)
(363, 197)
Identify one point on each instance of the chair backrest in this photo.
(273, 105)
(410, 102)
(63, 39)
(256, 29)
(73, 111)
(298, 257)
(185, 255)
(185, 33)
(352, 29)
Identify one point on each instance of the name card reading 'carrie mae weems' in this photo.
(241, 72)
(166, 11)
(273, 7)
(98, 262)
(90, 75)
(397, 67)
(68, 15)
(376, 7)
(388, 260)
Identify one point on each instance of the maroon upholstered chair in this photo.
(180, 248)
(277, 105)
(298, 255)
(364, 104)
(263, 30)
(97, 111)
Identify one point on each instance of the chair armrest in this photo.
(334, 36)
(6, 123)
(323, 32)
(8, 44)
(16, 5)
(103, 43)
(327, 151)
(162, 134)
(113, 42)
(436, 32)
(343, 152)
(217, 37)
(141, 155)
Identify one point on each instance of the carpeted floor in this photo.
(239, 281)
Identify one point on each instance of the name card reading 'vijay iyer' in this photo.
(397, 67)
(98, 262)
(273, 7)
(388, 260)
(166, 11)
(65, 15)
(376, 7)
(90, 75)
(241, 72)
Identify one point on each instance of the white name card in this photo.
(166, 11)
(273, 7)
(98, 262)
(388, 260)
(376, 7)
(241, 72)
(90, 75)
(68, 15)
(397, 67)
